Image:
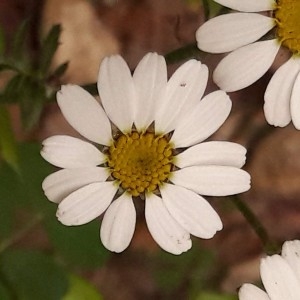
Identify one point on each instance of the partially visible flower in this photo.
(250, 60)
(149, 133)
(280, 275)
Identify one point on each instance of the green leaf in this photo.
(5, 67)
(48, 49)
(23, 189)
(79, 245)
(4, 294)
(80, 289)
(215, 296)
(60, 70)
(211, 8)
(33, 275)
(32, 102)
(12, 92)
(19, 41)
(8, 148)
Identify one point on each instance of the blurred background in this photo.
(46, 43)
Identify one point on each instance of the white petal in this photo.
(295, 103)
(212, 180)
(150, 79)
(278, 278)
(69, 152)
(291, 253)
(251, 292)
(191, 211)
(167, 233)
(278, 93)
(231, 31)
(116, 90)
(245, 65)
(207, 117)
(184, 90)
(118, 224)
(86, 204)
(84, 114)
(248, 5)
(60, 184)
(212, 153)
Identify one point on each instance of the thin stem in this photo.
(7, 243)
(269, 246)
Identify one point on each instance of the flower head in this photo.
(280, 275)
(250, 59)
(145, 144)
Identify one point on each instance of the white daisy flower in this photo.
(250, 59)
(280, 275)
(149, 133)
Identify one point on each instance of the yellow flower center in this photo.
(140, 161)
(287, 15)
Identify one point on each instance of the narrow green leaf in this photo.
(8, 148)
(13, 90)
(19, 41)
(80, 289)
(33, 275)
(48, 49)
(32, 102)
(60, 70)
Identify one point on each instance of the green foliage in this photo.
(192, 268)
(78, 245)
(8, 148)
(48, 49)
(4, 294)
(79, 289)
(2, 44)
(30, 85)
(33, 275)
(211, 8)
(215, 296)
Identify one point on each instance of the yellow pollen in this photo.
(287, 15)
(140, 161)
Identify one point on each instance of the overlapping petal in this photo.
(231, 31)
(295, 102)
(245, 65)
(118, 224)
(69, 152)
(279, 279)
(168, 234)
(60, 184)
(150, 80)
(86, 204)
(248, 5)
(84, 114)
(212, 153)
(291, 253)
(251, 292)
(278, 94)
(208, 115)
(191, 211)
(212, 180)
(184, 90)
(117, 92)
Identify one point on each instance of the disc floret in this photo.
(287, 15)
(140, 162)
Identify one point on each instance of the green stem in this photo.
(269, 246)
(7, 243)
